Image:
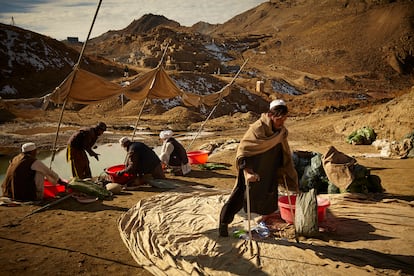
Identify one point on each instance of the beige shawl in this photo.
(260, 138)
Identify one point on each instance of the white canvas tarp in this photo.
(175, 233)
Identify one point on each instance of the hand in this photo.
(251, 176)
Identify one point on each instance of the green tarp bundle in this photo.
(310, 171)
(362, 136)
(333, 173)
(89, 188)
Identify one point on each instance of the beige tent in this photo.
(84, 87)
(87, 88)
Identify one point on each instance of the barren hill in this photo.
(32, 65)
(325, 44)
(346, 50)
(320, 56)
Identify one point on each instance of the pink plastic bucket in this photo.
(50, 190)
(121, 179)
(197, 156)
(286, 215)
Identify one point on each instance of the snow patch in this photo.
(22, 50)
(284, 88)
(218, 52)
(8, 90)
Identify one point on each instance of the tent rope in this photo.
(214, 108)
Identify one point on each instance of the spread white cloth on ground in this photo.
(175, 233)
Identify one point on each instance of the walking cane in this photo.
(249, 216)
(290, 207)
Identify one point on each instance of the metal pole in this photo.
(57, 134)
(89, 33)
(49, 205)
(139, 117)
(75, 68)
(249, 216)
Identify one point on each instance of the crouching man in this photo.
(141, 160)
(25, 176)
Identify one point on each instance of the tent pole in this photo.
(75, 68)
(57, 133)
(143, 105)
(89, 33)
(238, 73)
(218, 102)
(162, 57)
(139, 117)
(145, 101)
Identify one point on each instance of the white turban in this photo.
(123, 140)
(165, 134)
(28, 147)
(276, 103)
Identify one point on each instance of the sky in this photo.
(62, 18)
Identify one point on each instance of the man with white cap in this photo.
(141, 160)
(173, 154)
(263, 160)
(25, 176)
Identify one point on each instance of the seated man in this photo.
(173, 154)
(25, 176)
(141, 160)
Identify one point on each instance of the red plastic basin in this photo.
(286, 215)
(121, 179)
(198, 156)
(50, 190)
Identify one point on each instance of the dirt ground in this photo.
(72, 238)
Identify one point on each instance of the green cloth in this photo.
(89, 188)
(362, 136)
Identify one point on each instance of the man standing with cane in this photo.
(263, 158)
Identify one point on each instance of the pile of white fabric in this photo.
(394, 149)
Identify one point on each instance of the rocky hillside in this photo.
(318, 55)
(345, 53)
(32, 65)
(332, 45)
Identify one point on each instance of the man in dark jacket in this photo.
(141, 160)
(81, 143)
